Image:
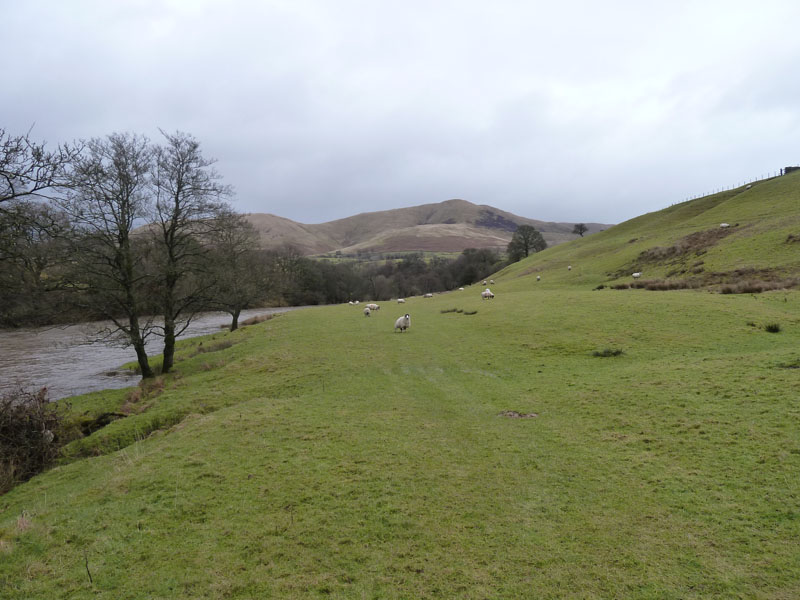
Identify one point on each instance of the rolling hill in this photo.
(449, 226)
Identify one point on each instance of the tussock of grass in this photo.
(757, 287)
(772, 327)
(606, 352)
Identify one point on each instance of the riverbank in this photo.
(73, 359)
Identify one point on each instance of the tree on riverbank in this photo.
(188, 198)
(106, 200)
(236, 266)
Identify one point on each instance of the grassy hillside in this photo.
(684, 244)
(449, 226)
(560, 442)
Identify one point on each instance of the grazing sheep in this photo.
(402, 323)
(401, 300)
(487, 294)
(428, 296)
(749, 185)
(460, 289)
(356, 302)
(367, 311)
(724, 225)
(491, 281)
(538, 278)
(569, 267)
(484, 282)
(636, 275)
(351, 303)
(373, 306)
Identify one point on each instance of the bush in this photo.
(772, 327)
(607, 352)
(30, 427)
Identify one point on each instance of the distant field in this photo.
(379, 257)
(561, 442)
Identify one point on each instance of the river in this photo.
(65, 360)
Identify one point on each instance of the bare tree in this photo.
(32, 258)
(28, 169)
(188, 197)
(108, 198)
(236, 266)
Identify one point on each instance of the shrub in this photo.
(607, 352)
(772, 327)
(30, 427)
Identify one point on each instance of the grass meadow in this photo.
(559, 441)
(319, 454)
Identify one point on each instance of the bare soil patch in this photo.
(513, 414)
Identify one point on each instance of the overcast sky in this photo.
(321, 109)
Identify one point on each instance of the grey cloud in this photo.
(318, 110)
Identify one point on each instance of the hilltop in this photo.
(449, 226)
(566, 439)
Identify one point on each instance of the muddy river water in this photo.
(67, 362)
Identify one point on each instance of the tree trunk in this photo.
(169, 344)
(235, 319)
(138, 346)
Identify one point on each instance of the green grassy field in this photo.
(319, 454)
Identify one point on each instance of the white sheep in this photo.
(487, 294)
(428, 295)
(373, 306)
(636, 275)
(401, 300)
(569, 267)
(402, 323)
(367, 311)
(724, 225)
(460, 289)
(491, 281)
(538, 278)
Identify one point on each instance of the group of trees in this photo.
(141, 234)
(303, 280)
(118, 228)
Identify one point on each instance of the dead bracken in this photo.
(513, 414)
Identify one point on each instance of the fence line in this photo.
(733, 187)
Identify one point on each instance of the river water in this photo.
(67, 362)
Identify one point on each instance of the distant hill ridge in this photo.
(449, 226)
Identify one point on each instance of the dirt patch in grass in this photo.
(513, 414)
(679, 254)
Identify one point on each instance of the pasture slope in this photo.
(319, 454)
